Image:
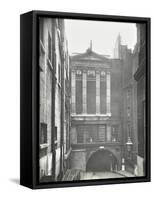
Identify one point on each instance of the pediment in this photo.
(91, 56)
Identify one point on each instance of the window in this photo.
(128, 111)
(92, 133)
(67, 129)
(80, 132)
(78, 96)
(91, 73)
(103, 74)
(91, 92)
(96, 134)
(87, 134)
(103, 91)
(115, 133)
(78, 73)
(91, 96)
(103, 97)
(43, 133)
(128, 103)
(128, 95)
(129, 131)
(102, 133)
(73, 92)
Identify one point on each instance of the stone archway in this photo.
(101, 161)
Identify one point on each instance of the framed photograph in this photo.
(85, 99)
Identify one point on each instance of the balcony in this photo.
(78, 116)
(92, 118)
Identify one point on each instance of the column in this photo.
(97, 92)
(108, 93)
(84, 91)
(73, 91)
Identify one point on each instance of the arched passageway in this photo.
(102, 161)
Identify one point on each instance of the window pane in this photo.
(103, 97)
(102, 133)
(79, 96)
(91, 97)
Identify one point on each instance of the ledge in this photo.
(92, 115)
(81, 117)
(96, 144)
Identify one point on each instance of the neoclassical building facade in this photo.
(96, 86)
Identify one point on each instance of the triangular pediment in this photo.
(90, 55)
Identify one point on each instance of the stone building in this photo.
(140, 76)
(92, 107)
(96, 90)
(129, 62)
(54, 139)
(133, 94)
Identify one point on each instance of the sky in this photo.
(103, 35)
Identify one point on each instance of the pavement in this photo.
(125, 173)
(105, 175)
(99, 175)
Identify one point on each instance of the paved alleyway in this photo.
(99, 175)
(125, 173)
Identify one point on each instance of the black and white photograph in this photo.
(92, 99)
(76, 100)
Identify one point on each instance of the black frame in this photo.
(29, 96)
